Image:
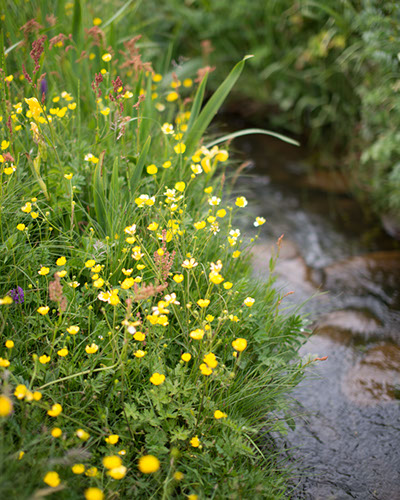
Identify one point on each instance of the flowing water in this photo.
(347, 438)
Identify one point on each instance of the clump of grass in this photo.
(138, 357)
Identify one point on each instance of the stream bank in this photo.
(345, 270)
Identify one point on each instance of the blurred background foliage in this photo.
(324, 70)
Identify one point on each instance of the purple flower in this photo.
(17, 295)
(43, 87)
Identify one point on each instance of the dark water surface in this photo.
(347, 437)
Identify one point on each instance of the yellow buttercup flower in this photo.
(35, 109)
(210, 360)
(56, 409)
(197, 334)
(219, 414)
(61, 261)
(73, 329)
(239, 344)
(78, 469)
(82, 435)
(94, 493)
(112, 439)
(63, 352)
(186, 357)
(52, 479)
(6, 406)
(195, 442)
(117, 472)
(106, 57)
(249, 301)
(152, 169)
(9, 344)
(172, 96)
(44, 359)
(139, 353)
(157, 378)
(241, 202)
(43, 310)
(148, 464)
(205, 370)
(178, 278)
(112, 462)
(43, 271)
(203, 303)
(91, 349)
(56, 432)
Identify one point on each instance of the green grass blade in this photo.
(212, 107)
(119, 12)
(249, 131)
(99, 195)
(136, 174)
(198, 100)
(77, 22)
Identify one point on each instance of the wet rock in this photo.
(376, 274)
(375, 377)
(345, 325)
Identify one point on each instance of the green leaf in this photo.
(77, 22)
(119, 12)
(137, 172)
(99, 195)
(249, 131)
(198, 100)
(212, 107)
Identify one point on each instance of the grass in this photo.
(139, 359)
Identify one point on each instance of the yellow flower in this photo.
(94, 494)
(112, 462)
(56, 409)
(106, 57)
(205, 370)
(44, 359)
(157, 378)
(178, 475)
(239, 344)
(180, 186)
(166, 164)
(43, 310)
(20, 391)
(221, 213)
(78, 469)
(195, 442)
(219, 414)
(172, 96)
(97, 21)
(112, 439)
(203, 302)
(241, 202)
(52, 479)
(61, 261)
(43, 271)
(21, 227)
(187, 82)
(4, 144)
(27, 207)
(153, 226)
(178, 278)
(139, 336)
(83, 435)
(37, 396)
(152, 169)
(197, 334)
(127, 272)
(210, 360)
(215, 277)
(139, 353)
(56, 432)
(91, 349)
(62, 273)
(148, 464)
(157, 78)
(186, 357)
(127, 283)
(9, 170)
(259, 221)
(9, 344)
(167, 128)
(180, 148)
(91, 472)
(200, 224)
(249, 301)
(5, 406)
(236, 254)
(90, 263)
(117, 472)
(227, 285)
(98, 283)
(63, 352)
(73, 329)
(35, 108)
(189, 263)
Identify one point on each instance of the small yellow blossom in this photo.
(97, 21)
(236, 254)
(117, 472)
(219, 414)
(259, 221)
(167, 128)
(73, 329)
(180, 148)
(180, 186)
(112, 439)
(43, 310)
(91, 472)
(62, 274)
(178, 475)
(6, 406)
(227, 285)
(63, 352)
(157, 78)
(106, 57)
(241, 202)
(112, 462)
(94, 493)
(56, 432)
(157, 378)
(9, 344)
(27, 207)
(78, 469)
(239, 344)
(43, 271)
(21, 227)
(203, 302)
(195, 442)
(61, 261)
(172, 96)
(98, 283)
(205, 370)
(166, 164)
(44, 359)
(52, 479)
(178, 278)
(187, 82)
(215, 277)
(56, 409)
(90, 263)
(139, 354)
(200, 225)
(221, 213)
(148, 464)
(139, 336)
(91, 349)
(186, 357)
(82, 435)
(189, 263)
(210, 360)
(197, 334)
(248, 301)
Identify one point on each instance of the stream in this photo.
(347, 439)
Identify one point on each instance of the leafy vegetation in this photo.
(139, 358)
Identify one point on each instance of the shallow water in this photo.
(347, 438)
